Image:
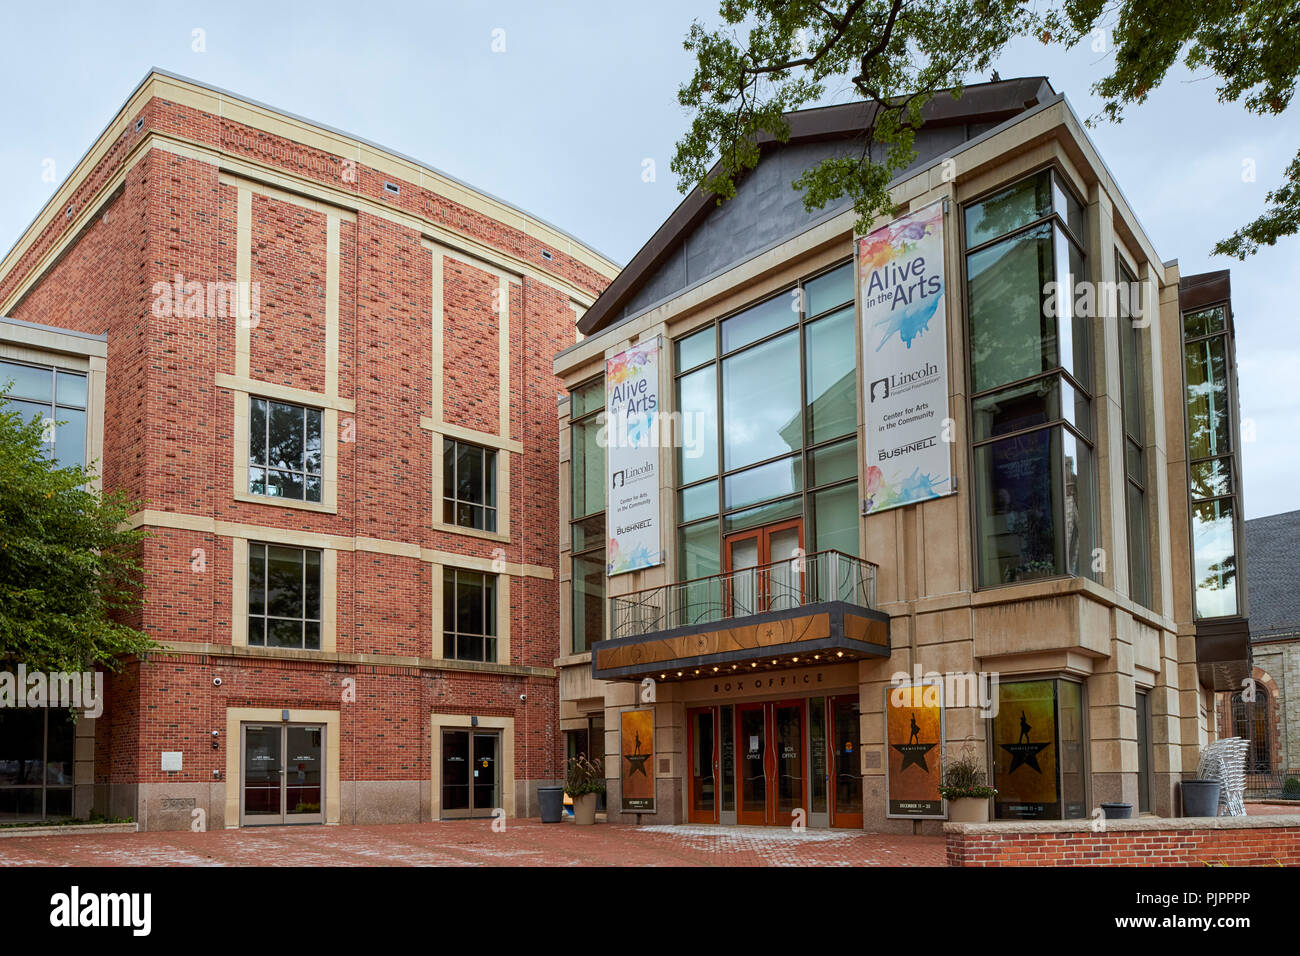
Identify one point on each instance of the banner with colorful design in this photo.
(905, 361)
(632, 459)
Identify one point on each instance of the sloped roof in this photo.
(1273, 581)
(981, 103)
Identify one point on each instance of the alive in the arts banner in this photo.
(632, 458)
(905, 361)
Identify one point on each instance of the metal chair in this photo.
(1225, 761)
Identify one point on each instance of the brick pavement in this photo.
(473, 843)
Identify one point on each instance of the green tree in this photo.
(68, 572)
(897, 54)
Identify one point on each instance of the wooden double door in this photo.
(774, 763)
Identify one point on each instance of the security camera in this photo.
(523, 697)
(216, 682)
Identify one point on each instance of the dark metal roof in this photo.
(1202, 289)
(1273, 556)
(982, 103)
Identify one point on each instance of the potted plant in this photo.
(964, 788)
(584, 781)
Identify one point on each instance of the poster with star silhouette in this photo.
(637, 773)
(902, 292)
(632, 459)
(914, 741)
(1024, 751)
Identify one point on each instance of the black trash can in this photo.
(552, 801)
(1200, 798)
(1117, 811)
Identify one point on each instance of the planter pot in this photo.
(968, 810)
(1117, 811)
(552, 801)
(584, 809)
(1200, 798)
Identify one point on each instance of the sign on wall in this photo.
(632, 459)
(637, 770)
(1024, 748)
(905, 361)
(915, 750)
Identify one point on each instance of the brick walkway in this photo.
(473, 843)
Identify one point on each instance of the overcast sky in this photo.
(561, 122)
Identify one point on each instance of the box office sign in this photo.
(905, 361)
(637, 766)
(632, 458)
(914, 728)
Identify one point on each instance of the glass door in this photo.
(471, 780)
(283, 773)
(789, 776)
(486, 791)
(751, 744)
(702, 742)
(755, 592)
(846, 764)
(772, 767)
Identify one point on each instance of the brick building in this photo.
(324, 372)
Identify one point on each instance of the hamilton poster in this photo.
(1024, 749)
(637, 771)
(914, 738)
(905, 361)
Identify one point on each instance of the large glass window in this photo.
(587, 530)
(1132, 371)
(1038, 751)
(57, 398)
(469, 615)
(284, 596)
(284, 450)
(36, 763)
(1031, 372)
(1206, 350)
(469, 485)
(783, 373)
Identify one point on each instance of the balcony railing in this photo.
(782, 585)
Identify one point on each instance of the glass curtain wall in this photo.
(1031, 383)
(768, 404)
(1132, 372)
(1210, 447)
(587, 527)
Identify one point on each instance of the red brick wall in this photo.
(169, 441)
(1260, 846)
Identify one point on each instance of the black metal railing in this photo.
(782, 585)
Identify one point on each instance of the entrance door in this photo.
(471, 779)
(846, 764)
(702, 742)
(781, 586)
(772, 765)
(283, 773)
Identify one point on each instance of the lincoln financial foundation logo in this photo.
(900, 382)
(914, 752)
(1024, 753)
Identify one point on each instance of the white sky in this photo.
(561, 122)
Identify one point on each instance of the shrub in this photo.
(584, 776)
(963, 776)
